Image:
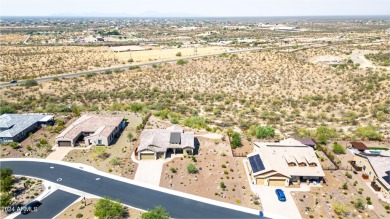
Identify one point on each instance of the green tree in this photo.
(324, 133)
(107, 208)
(191, 168)
(369, 133)
(264, 132)
(6, 179)
(338, 148)
(236, 140)
(5, 200)
(157, 213)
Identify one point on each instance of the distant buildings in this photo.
(159, 143)
(284, 163)
(16, 127)
(91, 130)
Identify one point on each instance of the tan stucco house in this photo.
(158, 143)
(284, 163)
(91, 130)
(376, 168)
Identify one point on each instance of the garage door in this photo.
(64, 143)
(147, 157)
(276, 182)
(260, 181)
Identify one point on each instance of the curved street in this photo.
(129, 194)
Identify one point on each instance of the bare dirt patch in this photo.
(217, 169)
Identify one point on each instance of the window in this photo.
(100, 142)
(364, 167)
(369, 173)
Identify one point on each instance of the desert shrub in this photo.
(222, 185)
(79, 215)
(157, 213)
(236, 140)
(324, 133)
(369, 133)
(359, 204)
(191, 168)
(173, 170)
(136, 107)
(6, 109)
(130, 136)
(264, 132)
(115, 161)
(30, 83)
(379, 58)
(13, 144)
(197, 122)
(340, 208)
(181, 62)
(338, 148)
(178, 54)
(107, 208)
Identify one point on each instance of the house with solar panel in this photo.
(16, 127)
(284, 163)
(159, 143)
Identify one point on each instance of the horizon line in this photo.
(198, 16)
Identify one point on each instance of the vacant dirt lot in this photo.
(34, 62)
(220, 176)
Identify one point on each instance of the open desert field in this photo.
(279, 89)
(40, 61)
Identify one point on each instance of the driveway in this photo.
(59, 153)
(271, 204)
(52, 205)
(149, 171)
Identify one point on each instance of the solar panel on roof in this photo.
(256, 163)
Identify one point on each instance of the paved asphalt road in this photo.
(132, 195)
(52, 205)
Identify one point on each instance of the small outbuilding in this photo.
(359, 145)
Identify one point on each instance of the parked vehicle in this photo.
(32, 206)
(280, 195)
(13, 81)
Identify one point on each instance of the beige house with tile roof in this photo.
(284, 163)
(377, 169)
(91, 130)
(158, 143)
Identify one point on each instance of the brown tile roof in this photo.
(359, 145)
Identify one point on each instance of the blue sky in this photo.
(194, 7)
